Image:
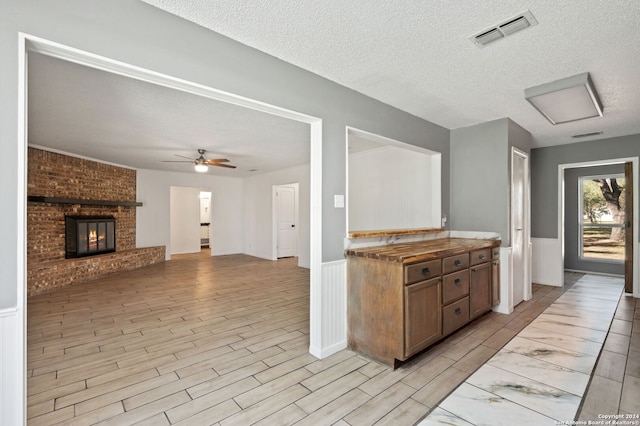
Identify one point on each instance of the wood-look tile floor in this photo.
(224, 340)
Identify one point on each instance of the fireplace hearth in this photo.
(89, 235)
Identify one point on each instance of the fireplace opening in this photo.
(89, 235)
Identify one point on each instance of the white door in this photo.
(286, 221)
(518, 224)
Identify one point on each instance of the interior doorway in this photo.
(205, 220)
(631, 223)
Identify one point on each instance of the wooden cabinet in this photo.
(404, 297)
(455, 315)
(423, 315)
(479, 289)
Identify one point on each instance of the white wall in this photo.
(153, 218)
(185, 219)
(547, 267)
(393, 188)
(258, 213)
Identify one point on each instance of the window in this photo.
(602, 217)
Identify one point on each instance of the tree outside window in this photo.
(602, 217)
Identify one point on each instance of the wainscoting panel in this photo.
(546, 265)
(12, 368)
(506, 282)
(333, 305)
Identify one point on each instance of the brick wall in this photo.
(56, 175)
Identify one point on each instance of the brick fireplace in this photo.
(61, 187)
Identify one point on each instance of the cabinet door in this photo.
(423, 315)
(479, 289)
(495, 283)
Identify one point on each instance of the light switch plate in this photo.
(338, 201)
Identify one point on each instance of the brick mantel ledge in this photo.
(45, 276)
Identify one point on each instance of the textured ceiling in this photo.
(416, 55)
(81, 110)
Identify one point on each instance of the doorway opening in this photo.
(34, 44)
(568, 213)
(205, 220)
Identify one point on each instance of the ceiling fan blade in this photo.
(177, 161)
(216, 160)
(182, 156)
(229, 166)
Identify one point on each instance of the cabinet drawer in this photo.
(455, 286)
(422, 271)
(455, 316)
(495, 253)
(455, 263)
(480, 256)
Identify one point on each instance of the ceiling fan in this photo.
(202, 164)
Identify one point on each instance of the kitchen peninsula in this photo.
(402, 298)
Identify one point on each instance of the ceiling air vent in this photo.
(506, 28)
(586, 135)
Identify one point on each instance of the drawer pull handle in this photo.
(457, 263)
(482, 256)
(425, 271)
(457, 281)
(458, 311)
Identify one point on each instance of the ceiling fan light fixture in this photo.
(201, 168)
(565, 100)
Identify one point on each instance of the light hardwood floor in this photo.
(224, 340)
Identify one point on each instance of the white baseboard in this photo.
(327, 351)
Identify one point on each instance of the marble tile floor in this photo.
(541, 375)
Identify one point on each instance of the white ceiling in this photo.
(415, 55)
(104, 116)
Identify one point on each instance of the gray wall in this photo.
(139, 34)
(544, 175)
(10, 157)
(481, 175)
(572, 231)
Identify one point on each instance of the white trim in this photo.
(315, 272)
(8, 312)
(14, 328)
(526, 228)
(636, 210)
(506, 279)
(71, 54)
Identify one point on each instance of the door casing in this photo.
(520, 227)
